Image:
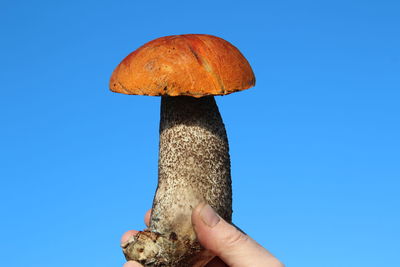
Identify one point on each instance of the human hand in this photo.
(231, 246)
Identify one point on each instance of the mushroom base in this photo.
(194, 167)
(153, 249)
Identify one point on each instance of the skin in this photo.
(194, 167)
(231, 246)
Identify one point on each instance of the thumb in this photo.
(227, 242)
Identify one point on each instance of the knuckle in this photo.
(235, 239)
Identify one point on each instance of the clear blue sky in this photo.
(315, 145)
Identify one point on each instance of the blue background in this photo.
(314, 146)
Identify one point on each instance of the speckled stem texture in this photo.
(194, 167)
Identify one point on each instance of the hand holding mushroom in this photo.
(231, 246)
(194, 164)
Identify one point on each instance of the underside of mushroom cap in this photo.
(192, 64)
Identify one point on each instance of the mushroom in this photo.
(194, 163)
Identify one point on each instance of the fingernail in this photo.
(209, 216)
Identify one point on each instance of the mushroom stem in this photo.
(194, 167)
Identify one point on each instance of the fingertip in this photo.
(199, 207)
(196, 213)
(127, 235)
(147, 218)
(132, 264)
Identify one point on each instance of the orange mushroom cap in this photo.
(191, 64)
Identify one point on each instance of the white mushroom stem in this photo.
(194, 167)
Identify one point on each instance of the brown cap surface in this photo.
(192, 64)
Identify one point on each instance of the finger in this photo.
(216, 262)
(126, 236)
(132, 264)
(147, 218)
(224, 240)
